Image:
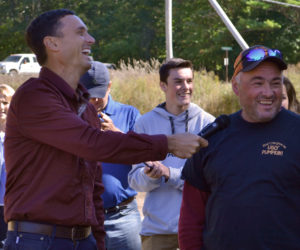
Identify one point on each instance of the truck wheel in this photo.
(13, 72)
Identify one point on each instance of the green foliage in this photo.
(128, 30)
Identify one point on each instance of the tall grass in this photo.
(137, 84)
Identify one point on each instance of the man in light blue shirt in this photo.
(122, 219)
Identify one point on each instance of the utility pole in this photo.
(229, 24)
(168, 19)
(281, 3)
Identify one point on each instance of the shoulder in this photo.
(289, 117)
(35, 86)
(195, 110)
(129, 108)
(290, 114)
(121, 107)
(36, 97)
(149, 122)
(31, 91)
(148, 116)
(28, 86)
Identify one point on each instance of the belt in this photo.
(119, 207)
(73, 233)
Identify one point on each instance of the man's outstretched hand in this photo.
(185, 145)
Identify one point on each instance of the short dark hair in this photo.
(173, 63)
(46, 24)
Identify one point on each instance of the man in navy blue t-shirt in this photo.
(242, 192)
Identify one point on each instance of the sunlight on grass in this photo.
(137, 84)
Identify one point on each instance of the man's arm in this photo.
(151, 175)
(185, 145)
(55, 124)
(140, 181)
(155, 170)
(192, 217)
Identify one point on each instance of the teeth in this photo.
(268, 102)
(86, 51)
(183, 94)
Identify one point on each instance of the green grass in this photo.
(138, 85)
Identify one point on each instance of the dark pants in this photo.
(3, 225)
(28, 241)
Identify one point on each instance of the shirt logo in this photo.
(273, 148)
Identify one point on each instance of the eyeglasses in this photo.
(257, 54)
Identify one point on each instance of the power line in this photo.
(286, 4)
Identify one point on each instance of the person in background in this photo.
(6, 93)
(289, 100)
(54, 145)
(242, 191)
(161, 180)
(122, 221)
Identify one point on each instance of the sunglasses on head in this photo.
(257, 54)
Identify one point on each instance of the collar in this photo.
(183, 113)
(62, 85)
(110, 107)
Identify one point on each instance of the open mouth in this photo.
(86, 52)
(184, 94)
(266, 102)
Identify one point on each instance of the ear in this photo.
(109, 87)
(235, 86)
(51, 43)
(163, 86)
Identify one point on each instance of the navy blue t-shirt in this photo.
(252, 171)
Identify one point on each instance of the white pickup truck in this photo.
(19, 63)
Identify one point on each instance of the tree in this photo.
(128, 30)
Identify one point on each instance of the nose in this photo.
(267, 90)
(186, 84)
(90, 39)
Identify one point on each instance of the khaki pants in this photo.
(160, 242)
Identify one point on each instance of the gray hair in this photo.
(238, 77)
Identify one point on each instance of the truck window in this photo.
(12, 59)
(25, 60)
